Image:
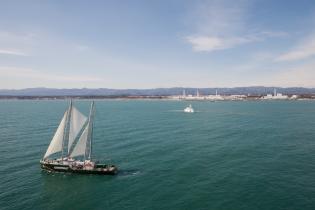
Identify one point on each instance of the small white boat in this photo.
(189, 109)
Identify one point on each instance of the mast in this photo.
(90, 131)
(66, 134)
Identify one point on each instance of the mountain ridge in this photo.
(247, 90)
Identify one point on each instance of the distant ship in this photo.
(189, 109)
(73, 139)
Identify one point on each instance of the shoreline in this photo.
(166, 98)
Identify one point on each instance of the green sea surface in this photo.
(244, 155)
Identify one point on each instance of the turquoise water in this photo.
(228, 155)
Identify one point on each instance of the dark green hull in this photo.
(100, 169)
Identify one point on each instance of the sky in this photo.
(156, 43)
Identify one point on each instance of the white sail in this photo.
(77, 121)
(80, 147)
(56, 142)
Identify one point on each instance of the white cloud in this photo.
(203, 43)
(304, 50)
(274, 33)
(222, 25)
(209, 43)
(212, 43)
(220, 17)
(12, 52)
(28, 73)
(15, 43)
(16, 37)
(81, 48)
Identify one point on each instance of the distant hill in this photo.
(255, 90)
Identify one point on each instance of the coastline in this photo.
(168, 98)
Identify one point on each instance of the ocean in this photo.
(229, 155)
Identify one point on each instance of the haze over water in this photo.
(227, 155)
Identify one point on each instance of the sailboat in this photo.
(73, 140)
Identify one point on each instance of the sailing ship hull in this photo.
(100, 169)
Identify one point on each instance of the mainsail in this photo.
(77, 121)
(56, 142)
(83, 145)
(80, 147)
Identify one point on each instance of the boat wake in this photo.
(130, 172)
(181, 111)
